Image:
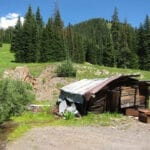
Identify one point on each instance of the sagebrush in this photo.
(14, 96)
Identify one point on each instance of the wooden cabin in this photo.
(113, 94)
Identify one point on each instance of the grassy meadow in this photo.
(7, 62)
(85, 70)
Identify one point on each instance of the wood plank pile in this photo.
(132, 112)
(129, 97)
(144, 115)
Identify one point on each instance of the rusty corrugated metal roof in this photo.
(81, 87)
(88, 87)
(100, 86)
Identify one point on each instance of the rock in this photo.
(21, 73)
(8, 73)
(105, 72)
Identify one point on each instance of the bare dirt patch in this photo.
(135, 137)
(48, 84)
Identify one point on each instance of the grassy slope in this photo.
(94, 71)
(84, 70)
(7, 62)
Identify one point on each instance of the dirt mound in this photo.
(46, 86)
(49, 84)
(21, 73)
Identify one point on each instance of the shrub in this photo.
(66, 69)
(14, 96)
(69, 115)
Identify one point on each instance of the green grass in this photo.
(105, 119)
(7, 62)
(19, 131)
(30, 120)
(30, 117)
(87, 70)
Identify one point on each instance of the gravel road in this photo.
(136, 136)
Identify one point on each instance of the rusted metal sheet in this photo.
(83, 86)
(87, 87)
(113, 81)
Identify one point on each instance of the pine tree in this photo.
(140, 38)
(27, 36)
(70, 42)
(131, 37)
(36, 42)
(108, 56)
(6, 35)
(16, 43)
(1, 36)
(1, 41)
(40, 26)
(48, 43)
(44, 56)
(144, 44)
(30, 37)
(91, 52)
(132, 41)
(81, 49)
(39, 19)
(1, 44)
(115, 30)
(100, 51)
(124, 49)
(58, 38)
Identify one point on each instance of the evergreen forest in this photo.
(97, 41)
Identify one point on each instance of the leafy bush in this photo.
(14, 96)
(66, 69)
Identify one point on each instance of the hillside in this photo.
(49, 83)
(92, 27)
(85, 70)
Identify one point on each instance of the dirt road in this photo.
(136, 136)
